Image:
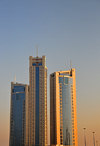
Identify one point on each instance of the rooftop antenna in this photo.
(65, 66)
(37, 51)
(15, 79)
(70, 64)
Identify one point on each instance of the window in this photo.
(17, 97)
(65, 80)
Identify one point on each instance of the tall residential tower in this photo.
(63, 121)
(19, 115)
(37, 101)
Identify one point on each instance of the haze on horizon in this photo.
(64, 31)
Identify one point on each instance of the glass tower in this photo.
(37, 101)
(19, 115)
(63, 121)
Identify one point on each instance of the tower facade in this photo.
(37, 101)
(19, 115)
(63, 120)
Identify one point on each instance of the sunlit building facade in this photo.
(37, 101)
(63, 120)
(19, 115)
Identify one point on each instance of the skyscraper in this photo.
(37, 101)
(63, 121)
(19, 115)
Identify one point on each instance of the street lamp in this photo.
(93, 138)
(84, 137)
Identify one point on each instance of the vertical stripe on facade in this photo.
(37, 108)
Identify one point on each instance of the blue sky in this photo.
(63, 31)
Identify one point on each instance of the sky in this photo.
(63, 30)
